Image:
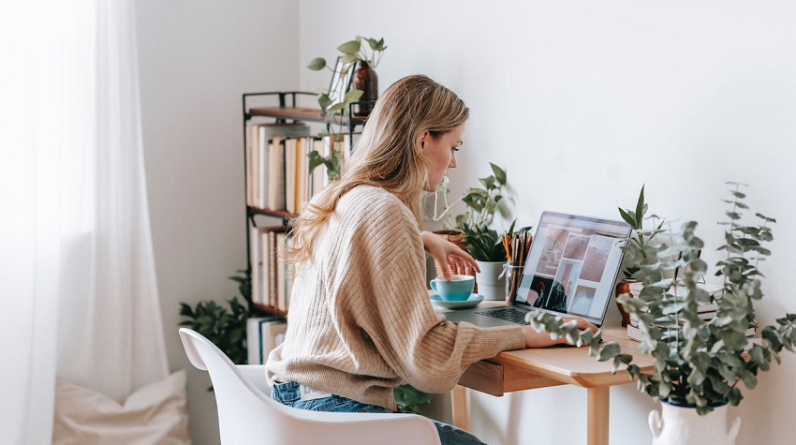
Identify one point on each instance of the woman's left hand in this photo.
(447, 254)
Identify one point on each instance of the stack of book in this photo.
(707, 312)
(272, 278)
(277, 160)
(262, 336)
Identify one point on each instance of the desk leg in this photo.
(598, 401)
(460, 407)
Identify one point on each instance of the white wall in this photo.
(584, 102)
(196, 59)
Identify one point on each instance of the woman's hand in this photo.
(447, 254)
(542, 339)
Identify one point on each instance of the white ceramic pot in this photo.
(489, 285)
(683, 426)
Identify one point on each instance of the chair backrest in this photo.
(247, 415)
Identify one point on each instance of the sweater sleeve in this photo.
(419, 345)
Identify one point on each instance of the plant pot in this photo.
(366, 80)
(623, 287)
(681, 425)
(489, 285)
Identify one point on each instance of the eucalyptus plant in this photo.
(696, 363)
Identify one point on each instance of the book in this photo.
(262, 336)
(276, 174)
(281, 277)
(256, 262)
(272, 270)
(258, 167)
(319, 175)
(290, 174)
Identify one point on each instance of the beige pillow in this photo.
(154, 414)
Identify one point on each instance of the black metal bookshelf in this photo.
(286, 111)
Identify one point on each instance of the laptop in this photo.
(570, 270)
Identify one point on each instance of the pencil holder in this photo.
(514, 276)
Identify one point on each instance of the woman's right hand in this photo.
(542, 339)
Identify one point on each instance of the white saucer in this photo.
(466, 304)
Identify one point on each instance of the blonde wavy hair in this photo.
(387, 154)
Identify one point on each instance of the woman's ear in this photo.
(421, 139)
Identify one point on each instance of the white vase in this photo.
(489, 285)
(683, 426)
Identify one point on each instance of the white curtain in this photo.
(79, 295)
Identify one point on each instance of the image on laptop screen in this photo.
(571, 266)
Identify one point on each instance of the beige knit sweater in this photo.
(360, 320)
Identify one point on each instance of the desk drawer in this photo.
(496, 379)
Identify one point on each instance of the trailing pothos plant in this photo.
(697, 363)
(480, 203)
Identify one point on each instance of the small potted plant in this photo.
(699, 365)
(356, 57)
(472, 230)
(637, 249)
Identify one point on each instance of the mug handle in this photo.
(431, 283)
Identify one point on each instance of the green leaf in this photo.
(734, 396)
(733, 215)
(324, 101)
(609, 351)
(771, 220)
(372, 43)
(738, 194)
(336, 107)
(353, 96)
(500, 174)
(640, 208)
(316, 160)
(186, 310)
(488, 182)
(349, 59)
(628, 219)
(351, 47)
(317, 64)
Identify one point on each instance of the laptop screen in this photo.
(571, 266)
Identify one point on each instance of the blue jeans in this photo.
(289, 394)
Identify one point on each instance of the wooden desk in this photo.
(540, 368)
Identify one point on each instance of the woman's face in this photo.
(440, 154)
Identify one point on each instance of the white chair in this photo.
(248, 415)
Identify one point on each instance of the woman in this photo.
(360, 319)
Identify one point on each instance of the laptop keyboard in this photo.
(506, 313)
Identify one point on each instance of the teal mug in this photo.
(459, 288)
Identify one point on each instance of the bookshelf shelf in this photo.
(288, 112)
(275, 213)
(270, 309)
(299, 114)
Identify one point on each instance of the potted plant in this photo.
(471, 229)
(698, 365)
(636, 249)
(356, 56)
